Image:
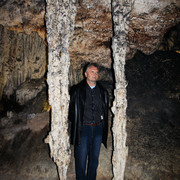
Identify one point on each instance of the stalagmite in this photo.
(60, 18)
(120, 11)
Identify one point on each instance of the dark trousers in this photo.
(89, 149)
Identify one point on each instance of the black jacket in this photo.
(76, 111)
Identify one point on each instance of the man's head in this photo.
(92, 73)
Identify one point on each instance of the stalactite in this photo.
(60, 18)
(22, 57)
(120, 12)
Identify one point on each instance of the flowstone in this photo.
(120, 11)
(60, 18)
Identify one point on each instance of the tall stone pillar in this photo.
(60, 19)
(120, 12)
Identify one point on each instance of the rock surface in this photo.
(150, 20)
(23, 45)
(153, 116)
(23, 16)
(153, 86)
(152, 129)
(120, 13)
(60, 19)
(22, 58)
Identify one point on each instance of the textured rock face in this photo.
(23, 16)
(60, 18)
(150, 20)
(153, 116)
(22, 58)
(93, 32)
(24, 139)
(92, 37)
(28, 90)
(152, 129)
(120, 12)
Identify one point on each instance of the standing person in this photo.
(88, 113)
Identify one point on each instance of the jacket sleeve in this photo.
(71, 113)
(105, 129)
(107, 100)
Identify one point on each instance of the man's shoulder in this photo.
(101, 85)
(77, 87)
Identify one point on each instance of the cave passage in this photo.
(60, 17)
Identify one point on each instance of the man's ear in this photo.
(85, 74)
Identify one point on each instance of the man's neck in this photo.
(91, 83)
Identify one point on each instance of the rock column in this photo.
(60, 19)
(120, 11)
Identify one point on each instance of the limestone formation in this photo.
(22, 58)
(149, 21)
(152, 129)
(23, 16)
(60, 17)
(120, 12)
(28, 90)
(23, 54)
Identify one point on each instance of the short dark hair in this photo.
(89, 65)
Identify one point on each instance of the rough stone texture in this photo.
(24, 156)
(92, 40)
(93, 32)
(153, 93)
(60, 18)
(120, 12)
(153, 115)
(22, 58)
(23, 16)
(28, 90)
(149, 21)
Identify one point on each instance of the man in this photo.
(88, 113)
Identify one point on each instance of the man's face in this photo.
(92, 74)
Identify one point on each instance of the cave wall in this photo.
(23, 34)
(23, 59)
(23, 62)
(153, 95)
(150, 20)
